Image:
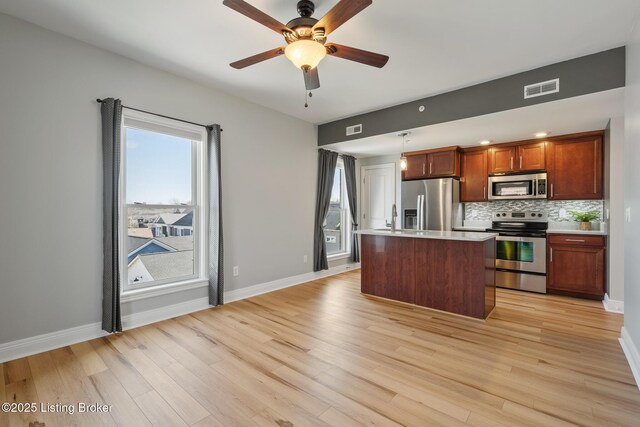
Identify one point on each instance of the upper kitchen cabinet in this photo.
(439, 163)
(575, 168)
(531, 157)
(518, 158)
(416, 167)
(473, 183)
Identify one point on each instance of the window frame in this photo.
(199, 203)
(344, 206)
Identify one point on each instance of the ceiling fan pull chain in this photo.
(306, 100)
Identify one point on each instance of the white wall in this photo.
(50, 178)
(632, 190)
(616, 209)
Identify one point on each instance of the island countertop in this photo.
(468, 236)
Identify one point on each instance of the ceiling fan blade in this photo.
(311, 79)
(243, 63)
(256, 14)
(357, 55)
(341, 13)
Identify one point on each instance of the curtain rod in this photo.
(163, 116)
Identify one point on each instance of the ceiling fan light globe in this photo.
(305, 53)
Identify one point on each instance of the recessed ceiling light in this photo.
(541, 134)
(485, 142)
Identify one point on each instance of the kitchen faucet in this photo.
(394, 216)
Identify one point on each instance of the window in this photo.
(337, 226)
(162, 197)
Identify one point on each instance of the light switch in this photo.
(627, 214)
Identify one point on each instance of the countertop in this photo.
(574, 231)
(438, 235)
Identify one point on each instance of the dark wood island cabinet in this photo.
(448, 271)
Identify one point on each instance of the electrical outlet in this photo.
(236, 270)
(627, 214)
(304, 259)
(563, 213)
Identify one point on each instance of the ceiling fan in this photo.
(306, 37)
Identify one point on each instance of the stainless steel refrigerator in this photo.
(431, 204)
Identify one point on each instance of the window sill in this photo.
(156, 291)
(341, 255)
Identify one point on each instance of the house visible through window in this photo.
(337, 227)
(161, 197)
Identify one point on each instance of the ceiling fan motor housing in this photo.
(306, 8)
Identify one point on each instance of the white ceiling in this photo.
(579, 114)
(435, 45)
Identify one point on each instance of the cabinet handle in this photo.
(430, 168)
(484, 192)
(423, 171)
(574, 240)
(551, 190)
(520, 162)
(512, 163)
(551, 254)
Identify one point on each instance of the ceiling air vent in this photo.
(354, 130)
(544, 88)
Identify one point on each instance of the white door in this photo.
(378, 195)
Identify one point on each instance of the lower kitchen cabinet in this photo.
(576, 265)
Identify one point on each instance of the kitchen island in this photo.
(451, 271)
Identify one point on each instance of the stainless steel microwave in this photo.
(515, 187)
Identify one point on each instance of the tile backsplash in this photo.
(485, 211)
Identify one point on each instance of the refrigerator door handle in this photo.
(420, 213)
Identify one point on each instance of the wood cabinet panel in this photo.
(388, 267)
(576, 265)
(443, 163)
(416, 167)
(576, 240)
(447, 279)
(501, 159)
(575, 169)
(532, 157)
(474, 176)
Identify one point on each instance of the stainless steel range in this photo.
(521, 256)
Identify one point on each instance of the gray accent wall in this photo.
(580, 76)
(51, 177)
(632, 190)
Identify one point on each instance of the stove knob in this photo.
(539, 215)
(533, 214)
(498, 215)
(504, 214)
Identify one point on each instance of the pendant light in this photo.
(403, 158)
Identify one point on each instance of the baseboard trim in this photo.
(45, 342)
(263, 288)
(613, 306)
(632, 354)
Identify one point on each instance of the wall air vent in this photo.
(354, 130)
(544, 88)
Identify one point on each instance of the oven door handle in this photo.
(502, 233)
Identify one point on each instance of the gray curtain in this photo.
(216, 253)
(326, 170)
(352, 195)
(111, 111)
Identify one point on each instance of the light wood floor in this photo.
(322, 354)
